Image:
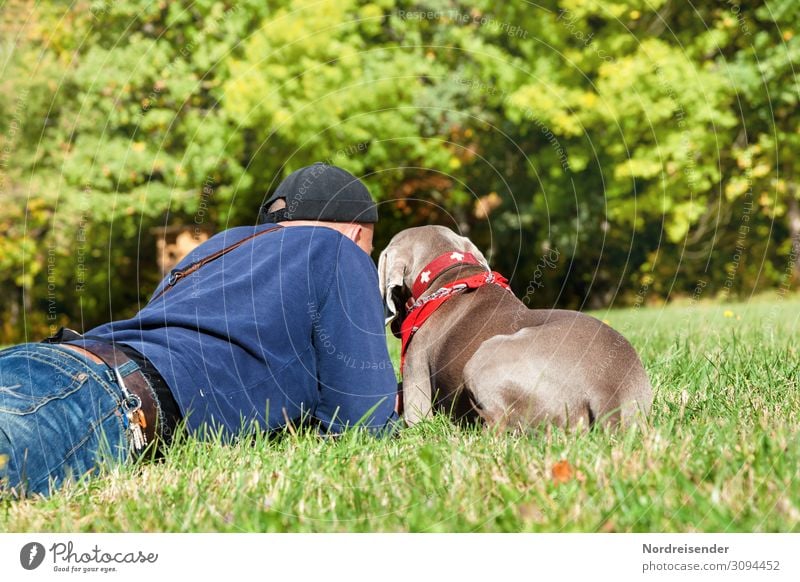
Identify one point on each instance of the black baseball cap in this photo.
(321, 192)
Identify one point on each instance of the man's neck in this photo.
(344, 228)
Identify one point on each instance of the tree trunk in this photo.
(793, 215)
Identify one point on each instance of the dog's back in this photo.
(568, 369)
(493, 357)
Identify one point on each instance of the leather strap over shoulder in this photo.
(178, 274)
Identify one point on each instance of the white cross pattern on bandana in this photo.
(457, 256)
(425, 277)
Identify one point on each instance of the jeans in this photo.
(61, 415)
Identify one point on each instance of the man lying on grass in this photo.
(259, 326)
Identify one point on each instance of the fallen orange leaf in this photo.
(562, 472)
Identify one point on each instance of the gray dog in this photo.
(474, 350)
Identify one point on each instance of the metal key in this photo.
(135, 416)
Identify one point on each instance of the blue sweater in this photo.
(287, 326)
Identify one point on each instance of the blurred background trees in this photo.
(602, 152)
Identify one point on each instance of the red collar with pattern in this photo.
(423, 307)
(438, 266)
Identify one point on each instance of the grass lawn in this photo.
(721, 453)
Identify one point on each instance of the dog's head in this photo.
(407, 254)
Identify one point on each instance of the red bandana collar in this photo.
(423, 308)
(438, 266)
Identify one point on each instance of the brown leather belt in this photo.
(140, 405)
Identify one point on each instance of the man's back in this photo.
(289, 325)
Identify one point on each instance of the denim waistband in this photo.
(68, 362)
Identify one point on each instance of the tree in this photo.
(599, 151)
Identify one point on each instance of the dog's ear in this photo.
(391, 272)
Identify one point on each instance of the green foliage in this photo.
(649, 146)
